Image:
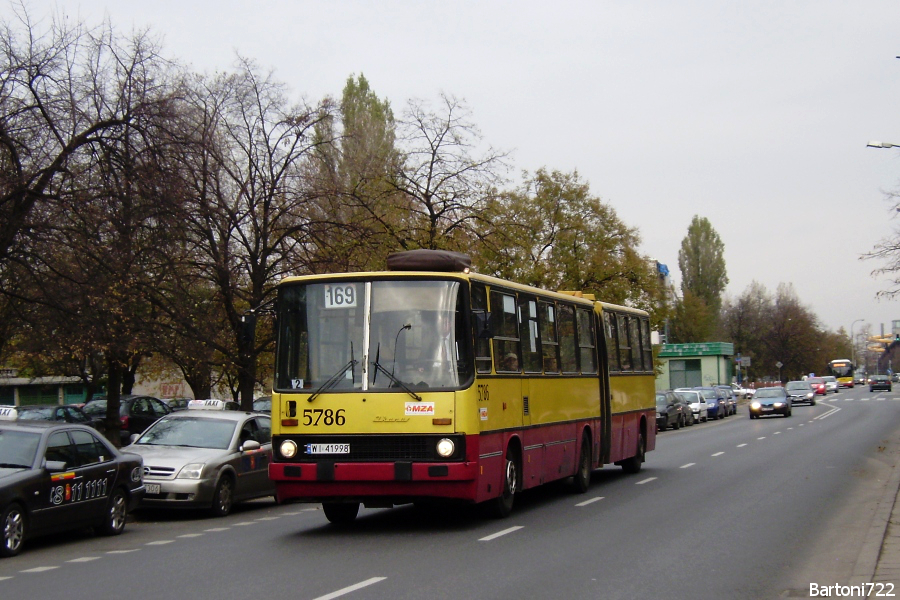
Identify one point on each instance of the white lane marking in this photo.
(648, 480)
(880, 399)
(717, 454)
(865, 399)
(591, 501)
(190, 535)
(243, 523)
(352, 588)
(218, 529)
(789, 428)
(123, 551)
(83, 559)
(687, 465)
(38, 569)
(494, 536)
(267, 519)
(825, 415)
(5, 578)
(848, 399)
(776, 433)
(741, 445)
(761, 438)
(160, 543)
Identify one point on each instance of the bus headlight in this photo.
(288, 448)
(445, 448)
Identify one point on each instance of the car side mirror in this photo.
(54, 466)
(250, 445)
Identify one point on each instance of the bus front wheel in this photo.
(340, 513)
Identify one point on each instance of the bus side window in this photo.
(549, 346)
(587, 357)
(612, 341)
(567, 342)
(646, 348)
(528, 333)
(625, 360)
(482, 339)
(504, 318)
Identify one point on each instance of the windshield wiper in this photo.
(332, 381)
(13, 466)
(396, 381)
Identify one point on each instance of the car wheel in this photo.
(582, 478)
(116, 513)
(223, 499)
(13, 522)
(812, 402)
(341, 513)
(677, 424)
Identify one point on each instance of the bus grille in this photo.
(374, 448)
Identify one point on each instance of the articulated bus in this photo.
(842, 369)
(430, 382)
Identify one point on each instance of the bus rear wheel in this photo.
(582, 478)
(341, 513)
(633, 464)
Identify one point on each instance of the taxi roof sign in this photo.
(8, 413)
(211, 404)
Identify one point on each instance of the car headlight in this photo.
(755, 405)
(190, 471)
(779, 404)
(288, 448)
(445, 448)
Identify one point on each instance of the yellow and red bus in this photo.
(428, 381)
(842, 369)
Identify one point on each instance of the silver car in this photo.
(206, 456)
(699, 408)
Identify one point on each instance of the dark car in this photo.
(136, 413)
(263, 404)
(730, 398)
(800, 391)
(717, 404)
(667, 414)
(65, 414)
(58, 476)
(770, 401)
(880, 382)
(176, 404)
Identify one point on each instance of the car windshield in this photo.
(830, 379)
(97, 408)
(37, 414)
(190, 432)
(686, 397)
(709, 394)
(770, 393)
(17, 448)
(815, 380)
(797, 385)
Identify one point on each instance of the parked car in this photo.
(717, 405)
(831, 384)
(667, 414)
(697, 403)
(66, 413)
(730, 398)
(206, 456)
(176, 404)
(818, 385)
(263, 404)
(800, 391)
(136, 413)
(686, 413)
(770, 401)
(58, 476)
(880, 382)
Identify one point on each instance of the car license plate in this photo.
(151, 488)
(767, 409)
(328, 448)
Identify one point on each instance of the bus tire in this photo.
(340, 513)
(633, 464)
(502, 506)
(582, 478)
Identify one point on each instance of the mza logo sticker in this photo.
(420, 408)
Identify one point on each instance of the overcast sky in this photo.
(753, 114)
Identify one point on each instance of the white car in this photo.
(699, 407)
(831, 384)
(741, 392)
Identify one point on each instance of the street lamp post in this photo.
(853, 343)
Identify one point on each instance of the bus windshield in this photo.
(382, 335)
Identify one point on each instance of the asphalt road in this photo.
(728, 509)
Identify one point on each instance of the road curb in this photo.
(871, 553)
